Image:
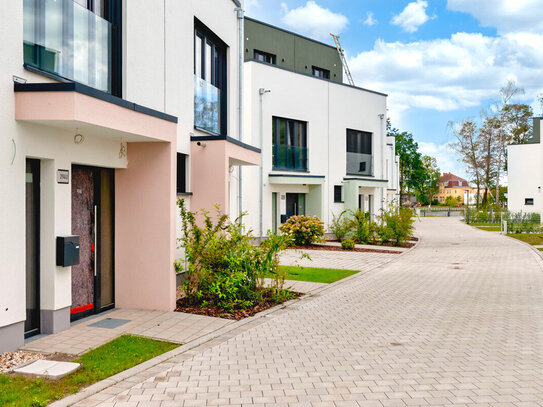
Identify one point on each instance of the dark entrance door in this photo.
(295, 205)
(92, 221)
(32, 322)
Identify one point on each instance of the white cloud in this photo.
(413, 16)
(252, 6)
(370, 19)
(505, 15)
(449, 74)
(446, 157)
(313, 20)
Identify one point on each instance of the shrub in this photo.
(362, 226)
(396, 225)
(225, 269)
(303, 230)
(347, 244)
(340, 226)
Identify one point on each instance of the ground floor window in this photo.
(181, 173)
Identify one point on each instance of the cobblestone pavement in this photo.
(457, 321)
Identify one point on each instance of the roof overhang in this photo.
(296, 179)
(76, 107)
(366, 182)
(236, 152)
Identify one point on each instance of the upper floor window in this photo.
(528, 201)
(210, 97)
(265, 57)
(79, 40)
(289, 138)
(359, 152)
(321, 72)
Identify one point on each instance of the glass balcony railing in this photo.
(359, 164)
(63, 38)
(289, 158)
(207, 106)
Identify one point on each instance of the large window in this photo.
(359, 153)
(289, 138)
(78, 40)
(321, 72)
(265, 57)
(209, 81)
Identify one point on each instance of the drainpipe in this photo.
(241, 16)
(383, 142)
(261, 93)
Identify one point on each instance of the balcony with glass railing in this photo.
(359, 164)
(207, 107)
(65, 39)
(289, 158)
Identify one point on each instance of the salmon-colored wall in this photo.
(73, 106)
(210, 170)
(145, 228)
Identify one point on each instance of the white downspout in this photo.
(383, 142)
(261, 93)
(241, 16)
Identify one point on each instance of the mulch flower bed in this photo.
(217, 312)
(339, 249)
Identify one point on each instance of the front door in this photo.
(295, 205)
(92, 221)
(32, 322)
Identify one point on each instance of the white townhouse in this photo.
(110, 110)
(525, 173)
(324, 143)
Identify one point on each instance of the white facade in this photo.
(329, 109)
(158, 74)
(525, 176)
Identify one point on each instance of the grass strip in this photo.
(98, 364)
(535, 239)
(314, 275)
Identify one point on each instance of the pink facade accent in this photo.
(75, 109)
(145, 228)
(210, 165)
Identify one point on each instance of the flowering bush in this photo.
(303, 230)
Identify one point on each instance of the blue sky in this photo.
(439, 60)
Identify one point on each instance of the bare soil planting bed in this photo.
(339, 249)
(236, 314)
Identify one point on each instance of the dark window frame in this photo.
(219, 69)
(338, 193)
(529, 201)
(292, 138)
(112, 12)
(320, 72)
(269, 58)
(181, 183)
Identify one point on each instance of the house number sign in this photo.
(63, 176)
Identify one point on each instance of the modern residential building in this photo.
(324, 144)
(92, 151)
(525, 173)
(458, 188)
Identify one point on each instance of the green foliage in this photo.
(178, 265)
(303, 230)
(347, 244)
(340, 225)
(450, 201)
(225, 268)
(98, 364)
(396, 225)
(363, 228)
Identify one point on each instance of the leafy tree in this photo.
(450, 201)
(429, 185)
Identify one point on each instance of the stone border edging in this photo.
(119, 377)
(537, 254)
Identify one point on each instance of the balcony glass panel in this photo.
(359, 164)
(63, 38)
(206, 106)
(289, 158)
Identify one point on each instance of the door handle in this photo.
(95, 235)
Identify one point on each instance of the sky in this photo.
(438, 60)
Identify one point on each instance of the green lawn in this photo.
(98, 364)
(490, 228)
(315, 275)
(530, 238)
(484, 224)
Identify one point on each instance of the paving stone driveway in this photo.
(458, 321)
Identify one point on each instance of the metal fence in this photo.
(440, 211)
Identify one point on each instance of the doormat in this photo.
(110, 323)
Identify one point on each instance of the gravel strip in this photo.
(10, 360)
